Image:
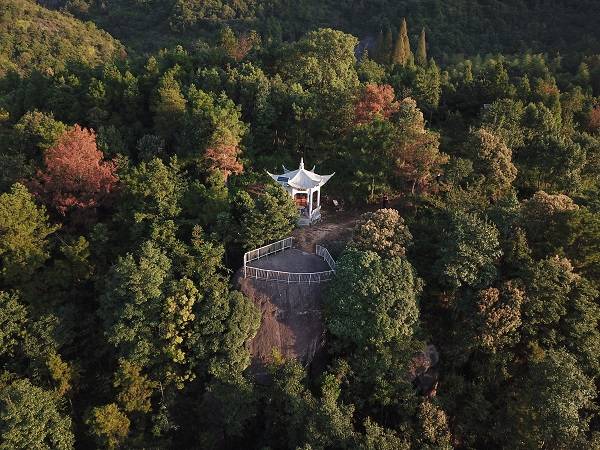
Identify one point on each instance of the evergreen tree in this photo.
(399, 55)
(379, 50)
(24, 230)
(404, 32)
(421, 57)
(388, 45)
(168, 105)
(428, 87)
(402, 53)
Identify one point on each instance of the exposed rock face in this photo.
(291, 320)
(423, 371)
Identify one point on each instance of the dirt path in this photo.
(334, 230)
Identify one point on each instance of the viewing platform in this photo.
(281, 262)
(291, 260)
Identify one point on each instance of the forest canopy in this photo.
(465, 140)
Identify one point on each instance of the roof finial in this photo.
(301, 162)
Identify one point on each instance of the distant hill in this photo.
(454, 26)
(33, 37)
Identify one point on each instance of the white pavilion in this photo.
(305, 188)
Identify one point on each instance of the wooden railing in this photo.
(287, 277)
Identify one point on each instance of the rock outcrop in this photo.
(291, 321)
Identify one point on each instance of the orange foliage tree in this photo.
(417, 155)
(76, 176)
(594, 119)
(375, 101)
(223, 157)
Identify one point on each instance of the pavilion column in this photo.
(310, 205)
(319, 197)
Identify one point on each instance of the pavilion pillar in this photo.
(310, 203)
(319, 197)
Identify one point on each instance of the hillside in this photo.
(456, 27)
(463, 217)
(32, 37)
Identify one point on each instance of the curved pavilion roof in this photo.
(301, 178)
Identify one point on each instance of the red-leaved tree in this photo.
(76, 176)
(223, 157)
(594, 119)
(375, 100)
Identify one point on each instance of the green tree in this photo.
(583, 246)
(382, 232)
(297, 418)
(35, 132)
(428, 86)
(388, 47)
(579, 326)
(548, 294)
(504, 118)
(421, 56)
(552, 162)
(402, 51)
(379, 48)
(151, 196)
(492, 159)
(469, 251)
(498, 316)
(175, 318)
(135, 389)
(13, 322)
(260, 219)
(544, 218)
(379, 438)
(24, 229)
(433, 431)
(551, 403)
(227, 410)
(372, 301)
(31, 417)
(168, 105)
(108, 425)
(320, 86)
(323, 61)
(213, 132)
(131, 304)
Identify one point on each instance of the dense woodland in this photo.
(132, 181)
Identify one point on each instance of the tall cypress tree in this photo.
(378, 53)
(404, 33)
(388, 46)
(421, 57)
(399, 55)
(402, 53)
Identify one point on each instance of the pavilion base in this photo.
(304, 221)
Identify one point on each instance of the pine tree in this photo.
(421, 58)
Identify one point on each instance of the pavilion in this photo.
(305, 188)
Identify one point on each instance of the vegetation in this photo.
(34, 38)
(465, 314)
(464, 26)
